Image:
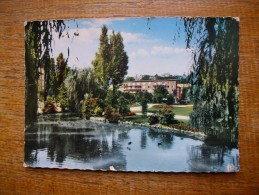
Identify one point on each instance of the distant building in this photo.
(150, 85)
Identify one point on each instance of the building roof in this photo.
(151, 80)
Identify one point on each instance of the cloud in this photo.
(133, 37)
(158, 51)
(164, 50)
(99, 22)
(138, 53)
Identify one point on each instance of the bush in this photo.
(153, 119)
(167, 119)
(166, 115)
(88, 107)
(111, 114)
(98, 111)
(115, 117)
(108, 112)
(170, 99)
(49, 106)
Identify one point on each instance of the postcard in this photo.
(156, 94)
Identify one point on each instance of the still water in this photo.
(66, 141)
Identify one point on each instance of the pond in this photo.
(67, 141)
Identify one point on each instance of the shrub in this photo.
(98, 111)
(167, 119)
(49, 106)
(88, 107)
(153, 119)
(166, 115)
(115, 117)
(108, 111)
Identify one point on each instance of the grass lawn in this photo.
(183, 111)
(136, 119)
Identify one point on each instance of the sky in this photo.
(149, 44)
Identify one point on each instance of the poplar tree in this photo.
(111, 61)
(119, 61)
(102, 60)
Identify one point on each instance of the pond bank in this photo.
(198, 135)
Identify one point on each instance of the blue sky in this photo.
(150, 45)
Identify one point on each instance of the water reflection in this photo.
(207, 158)
(56, 141)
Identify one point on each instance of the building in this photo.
(150, 85)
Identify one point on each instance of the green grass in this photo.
(183, 111)
(136, 119)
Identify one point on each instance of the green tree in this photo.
(38, 44)
(159, 93)
(145, 77)
(62, 70)
(119, 61)
(148, 96)
(78, 84)
(170, 99)
(102, 61)
(214, 77)
(130, 79)
(123, 105)
(144, 106)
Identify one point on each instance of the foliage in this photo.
(115, 117)
(98, 111)
(153, 119)
(112, 99)
(130, 78)
(145, 77)
(214, 77)
(123, 105)
(111, 114)
(111, 61)
(144, 107)
(102, 59)
(170, 99)
(136, 119)
(89, 107)
(167, 116)
(159, 93)
(62, 98)
(49, 105)
(129, 96)
(78, 84)
(38, 45)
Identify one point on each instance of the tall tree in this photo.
(159, 93)
(102, 60)
(38, 39)
(62, 69)
(111, 61)
(119, 61)
(214, 77)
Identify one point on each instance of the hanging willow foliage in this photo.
(214, 75)
(38, 45)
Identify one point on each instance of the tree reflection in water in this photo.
(56, 141)
(164, 138)
(211, 158)
(74, 144)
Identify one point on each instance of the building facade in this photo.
(150, 85)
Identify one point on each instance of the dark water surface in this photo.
(66, 141)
